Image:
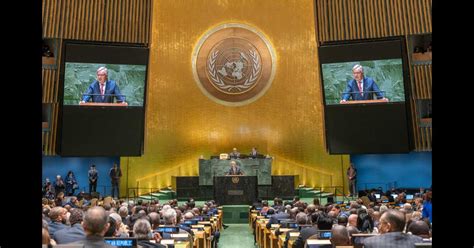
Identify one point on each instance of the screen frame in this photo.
(406, 86)
(404, 58)
(63, 56)
(97, 43)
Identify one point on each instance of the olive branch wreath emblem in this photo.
(212, 70)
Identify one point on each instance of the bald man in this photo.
(361, 87)
(95, 226)
(419, 228)
(352, 220)
(339, 236)
(391, 226)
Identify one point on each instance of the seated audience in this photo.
(391, 235)
(143, 232)
(73, 233)
(58, 220)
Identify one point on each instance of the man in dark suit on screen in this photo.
(361, 87)
(103, 89)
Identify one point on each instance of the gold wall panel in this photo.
(182, 123)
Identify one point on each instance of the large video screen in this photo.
(102, 90)
(366, 86)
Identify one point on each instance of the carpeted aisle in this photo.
(236, 236)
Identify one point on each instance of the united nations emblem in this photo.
(233, 64)
(235, 179)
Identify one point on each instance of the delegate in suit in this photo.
(103, 89)
(361, 87)
(234, 169)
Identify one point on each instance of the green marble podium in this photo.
(260, 167)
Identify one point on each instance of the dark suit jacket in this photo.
(254, 155)
(234, 155)
(148, 244)
(352, 90)
(372, 198)
(111, 90)
(305, 233)
(94, 242)
(274, 218)
(392, 240)
(53, 227)
(236, 172)
(70, 234)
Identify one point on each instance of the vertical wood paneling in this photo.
(124, 20)
(372, 21)
(44, 20)
(68, 20)
(325, 30)
(377, 14)
(430, 80)
(363, 19)
(410, 11)
(416, 16)
(55, 18)
(80, 19)
(428, 16)
(318, 20)
(405, 16)
(95, 20)
(351, 20)
(74, 20)
(427, 76)
(338, 19)
(146, 31)
(331, 19)
(87, 22)
(54, 117)
(50, 17)
(337, 16)
(118, 20)
(356, 19)
(383, 21)
(139, 17)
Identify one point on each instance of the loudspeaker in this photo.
(330, 199)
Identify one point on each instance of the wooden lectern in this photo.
(364, 101)
(104, 104)
(235, 190)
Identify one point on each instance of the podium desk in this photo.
(364, 101)
(104, 104)
(235, 190)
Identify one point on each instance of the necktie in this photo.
(102, 90)
(360, 87)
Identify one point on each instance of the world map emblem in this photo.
(233, 64)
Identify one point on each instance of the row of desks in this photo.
(203, 238)
(266, 238)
